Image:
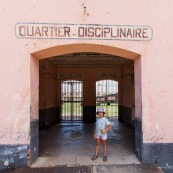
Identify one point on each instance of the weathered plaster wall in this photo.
(156, 60)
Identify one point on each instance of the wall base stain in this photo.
(33, 152)
(160, 154)
(138, 138)
(13, 156)
(153, 153)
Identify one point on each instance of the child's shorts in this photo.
(103, 136)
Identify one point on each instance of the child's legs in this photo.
(104, 138)
(97, 146)
(104, 147)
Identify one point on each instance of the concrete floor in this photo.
(73, 144)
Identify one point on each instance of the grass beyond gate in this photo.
(76, 108)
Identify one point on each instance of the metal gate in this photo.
(107, 96)
(71, 100)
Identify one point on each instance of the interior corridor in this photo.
(69, 143)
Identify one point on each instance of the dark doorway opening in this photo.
(76, 97)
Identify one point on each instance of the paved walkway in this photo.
(91, 169)
(73, 143)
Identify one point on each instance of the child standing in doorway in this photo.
(102, 127)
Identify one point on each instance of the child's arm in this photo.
(107, 129)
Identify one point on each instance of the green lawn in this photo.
(77, 109)
(67, 108)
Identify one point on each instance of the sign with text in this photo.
(70, 75)
(81, 31)
(106, 75)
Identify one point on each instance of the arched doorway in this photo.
(79, 48)
(71, 100)
(107, 97)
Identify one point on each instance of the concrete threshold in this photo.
(83, 160)
(134, 168)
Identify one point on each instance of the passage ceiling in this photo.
(88, 59)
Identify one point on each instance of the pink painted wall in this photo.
(18, 79)
(48, 85)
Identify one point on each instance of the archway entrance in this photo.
(95, 71)
(107, 97)
(71, 100)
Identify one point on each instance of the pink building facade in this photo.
(33, 31)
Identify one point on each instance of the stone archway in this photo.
(75, 48)
(71, 48)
